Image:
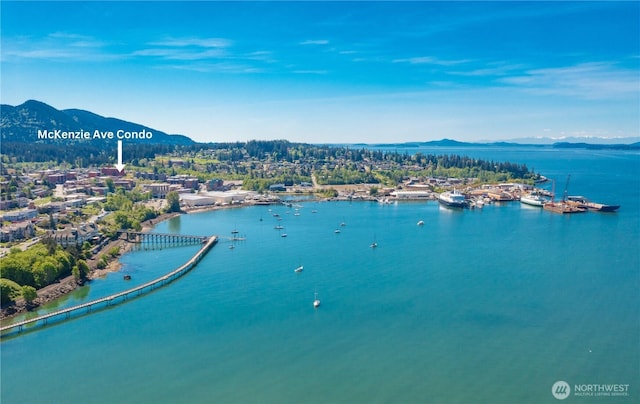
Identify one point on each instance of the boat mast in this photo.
(566, 187)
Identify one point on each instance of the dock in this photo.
(161, 238)
(116, 298)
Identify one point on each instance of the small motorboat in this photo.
(299, 269)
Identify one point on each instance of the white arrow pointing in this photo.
(120, 166)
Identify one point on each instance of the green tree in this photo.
(83, 269)
(173, 202)
(110, 185)
(9, 290)
(122, 220)
(29, 293)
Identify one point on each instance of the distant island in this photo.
(456, 143)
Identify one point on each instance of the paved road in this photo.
(23, 246)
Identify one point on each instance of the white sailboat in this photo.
(316, 301)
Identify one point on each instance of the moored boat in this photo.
(453, 199)
(533, 199)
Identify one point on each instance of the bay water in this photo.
(491, 305)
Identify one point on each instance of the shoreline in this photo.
(68, 284)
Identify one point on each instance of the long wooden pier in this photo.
(117, 297)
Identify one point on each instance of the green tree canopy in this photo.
(9, 290)
(173, 202)
(29, 293)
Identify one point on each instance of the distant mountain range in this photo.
(455, 143)
(21, 124)
(572, 139)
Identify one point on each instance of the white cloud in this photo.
(194, 42)
(58, 46)
(186, 48)
(315, 42)
(181, 53)
(594, 80)
(491, 69)
(215, 67)
(310, 71)
(430, 60)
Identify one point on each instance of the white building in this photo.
(194, 200)
(412, 194)
(228, 197)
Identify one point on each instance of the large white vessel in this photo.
(533, 199)
(452, 199)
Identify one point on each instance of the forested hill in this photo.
(21, 124)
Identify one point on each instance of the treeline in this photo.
(86, 154)
(230, 158)
(282, 150)
(41, 265)
(127, 214)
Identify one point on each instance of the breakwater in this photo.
(113, 299)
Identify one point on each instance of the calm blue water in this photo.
(490, 306)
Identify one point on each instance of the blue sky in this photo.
(333, 71)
